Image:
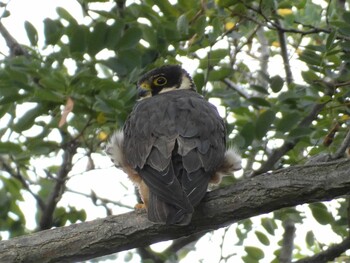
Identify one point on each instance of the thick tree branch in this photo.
(221, 207)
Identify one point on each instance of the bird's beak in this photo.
(144, 89)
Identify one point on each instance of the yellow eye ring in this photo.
(160, 81)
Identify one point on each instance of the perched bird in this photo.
(172, 146)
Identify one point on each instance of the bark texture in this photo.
(221, 207)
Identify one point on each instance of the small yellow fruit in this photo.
(102, 136)
(284, 11)
(275, 44)
(229, 26)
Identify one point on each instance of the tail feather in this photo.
(161, 212)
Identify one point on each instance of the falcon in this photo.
(172, 146)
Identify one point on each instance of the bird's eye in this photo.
(160, 81)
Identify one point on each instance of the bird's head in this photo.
(164, 79)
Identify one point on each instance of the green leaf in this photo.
(262, 238)
(321, 213)
(288, 121)
(53, 30)
(300, 132)
(150, 35)
(254, 252)
(130, 39)
(276, 83)
(248, 134)
(269, 225)
(310, 57)
(97, 39)
(31, 33)
(200, 25)
(346, 17)
(114, 33)
(309, 76)
(217, 29)
(182, 24)
(330, 40)
(166, 8)
(27, 119)
(39, 147)
(260, 89)
(263, 123)
(199, 81)
(217, 55)
(9, 148)
(216, 75)
(310, 238)
(259, 101)
(77, 36)
(64, 14)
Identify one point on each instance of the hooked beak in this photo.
(143, 89)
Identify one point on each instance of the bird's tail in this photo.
(161, 212)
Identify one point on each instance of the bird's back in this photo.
(175, 141)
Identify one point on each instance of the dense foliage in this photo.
(279, 69)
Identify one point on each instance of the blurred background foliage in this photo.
(278, 70)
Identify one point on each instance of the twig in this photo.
(328, 255)
(94, 198)
(284, 52)
(235, 87)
